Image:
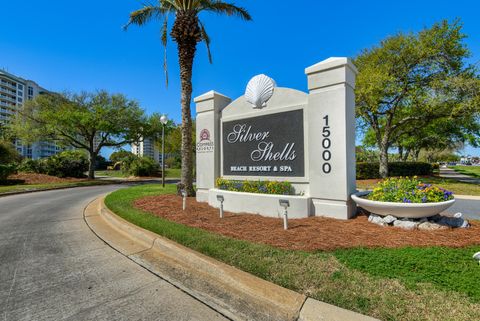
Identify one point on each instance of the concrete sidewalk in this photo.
(446, 172)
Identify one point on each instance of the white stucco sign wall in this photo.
(274, 133)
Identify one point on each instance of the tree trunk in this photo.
(383, 168)
(186, 53)
(91, 165)
(400, 152)
(415, 155)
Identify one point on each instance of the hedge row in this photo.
(370, 170)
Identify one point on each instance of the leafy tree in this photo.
(437, 135)
(85, 121)
(446, 155)
(173, 140)
(119, 155)
(187, 31)
(410, 80)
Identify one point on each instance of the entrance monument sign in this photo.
(282, 134)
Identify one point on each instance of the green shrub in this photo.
(38, 166)
(8, 153)
(143, 166)
(173, 162)
(7, 170)
(408, 190)
(65, 164)
(370, 170)
(261, 187)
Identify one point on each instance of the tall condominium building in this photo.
(147, 148)
(14, 91)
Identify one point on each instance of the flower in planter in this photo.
(408, 190)
(262, 187)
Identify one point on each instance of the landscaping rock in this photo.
(429, 226)
(389, 219)
(375, 219)
(436, 222)
(406, 224)
(435, 218)
(453, 222)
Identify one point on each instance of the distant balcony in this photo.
(9, 98)
(8, 84)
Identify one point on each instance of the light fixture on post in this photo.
(184, 196)
(164, 121)
(220, 199)
(285, 204)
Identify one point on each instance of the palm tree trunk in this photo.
(186, 55)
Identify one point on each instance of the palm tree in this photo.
(187, 31)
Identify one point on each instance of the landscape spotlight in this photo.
(184, 195)
(476, 256)
(220, 199)
(285, 204)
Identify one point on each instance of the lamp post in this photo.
(163, 120)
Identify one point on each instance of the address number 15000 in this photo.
(326, 144)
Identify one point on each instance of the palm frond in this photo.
(221, 7)
(142, 16)
(206, 38)
(164, 38)
(172, 4)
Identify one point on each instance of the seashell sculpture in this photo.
(259, 90)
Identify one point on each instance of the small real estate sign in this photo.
(268, 145)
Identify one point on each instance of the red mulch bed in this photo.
(31, 178)
(309, 234)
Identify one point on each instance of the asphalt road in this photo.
(52, 267)
(469, 208)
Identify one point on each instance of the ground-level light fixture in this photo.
(220, 199)
(476, 256)
(285, 204)
(184, 195)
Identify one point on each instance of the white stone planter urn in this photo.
(404, 210)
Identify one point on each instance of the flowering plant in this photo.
(408, 190)
(262, 187)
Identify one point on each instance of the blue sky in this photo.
(75, 46)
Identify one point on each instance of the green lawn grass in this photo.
(173, 172)
(111, 173)
(455, 186)
(468, 170)
(403, 284)
(33, 187)
(169, 173)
